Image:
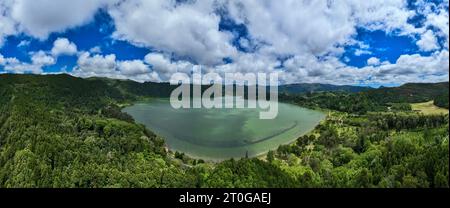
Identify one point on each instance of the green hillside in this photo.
(410, 93)
(315, 87)
(62, 131)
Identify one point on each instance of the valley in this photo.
(63, 131)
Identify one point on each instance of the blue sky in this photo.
(94, 34)
(339, 42)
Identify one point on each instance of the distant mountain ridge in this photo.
(410, 92)
(317, 87)
(163, 88)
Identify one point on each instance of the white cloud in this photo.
(41, 17)
(288, 26)
(245, 43)
(107, 66)
(62, 46)
(190, 30)
(428, 41)
(96, 63)
(318, 27)
(300, 68)
(347, 59)
(42, 59)
(387, 15)
(159, 62)
(359, 52)
(133, 67)
(7, 24)
(437, 63)
(38, 61)
(247, 63)
(165, 67)
(24, 43)
(8, 60)
(21, 68)
(373, 61)
(440, 21)
(187, 37)
(96, 49)
(408, 68)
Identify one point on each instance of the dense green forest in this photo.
(409, 93)
(441, 100)
(62, 131)
(380, 100)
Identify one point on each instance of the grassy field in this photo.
(428, 108)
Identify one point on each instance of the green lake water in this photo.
(218, 134)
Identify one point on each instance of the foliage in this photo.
(409, 93)
(61, 131)
(365, 155)
(400, 107)
(357, 103)
(441, 100)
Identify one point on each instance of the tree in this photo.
(270, 156)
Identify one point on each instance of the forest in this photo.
(62, 131)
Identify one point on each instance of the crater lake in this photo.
(219, 133)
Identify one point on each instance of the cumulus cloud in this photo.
(165, 67)
(96, 49)
(387, 15)
(62, 46)
(249, 63)
(41, 17)
(287, 26)
(428, 41)
(133, 67)
(414, 68)
(440, 21)
(160, 63)
(299, 68)
(190, 30)
(318, 26)
(373, 61)
(7, 24)
(107, 66)
(309, 36)
(437, 63)
(38, 61)
(41, 58)
(7, 60)
(97, 63)
(21, 68)
(408, 68)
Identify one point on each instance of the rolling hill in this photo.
(412, 93)
(316, 87)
